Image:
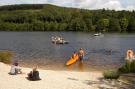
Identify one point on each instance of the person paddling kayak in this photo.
(74, 55)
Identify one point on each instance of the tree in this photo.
(87, 17)
(103, 25)
(77, 24)
(131, 26)
(114, 25)
(123, 24)
(62, 26)
(37, 26)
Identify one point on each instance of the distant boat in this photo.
(59, 40)
(98, 34)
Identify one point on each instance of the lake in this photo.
(36, 48)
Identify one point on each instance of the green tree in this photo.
(123, 24)
(62, 26)
(77, 24)
(114, 25)
(37, 25)
(103, 25)
(87, 17)
(131, 26)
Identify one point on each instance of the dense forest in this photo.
(46, 17)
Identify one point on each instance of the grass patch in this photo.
(5, 56)
(129, 67)
(111, 74)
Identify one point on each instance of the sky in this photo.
(86, 4)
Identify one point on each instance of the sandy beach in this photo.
(53, 80)
(50, 79)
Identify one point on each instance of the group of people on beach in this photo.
(130, 55)
(33, 75)
(79, 55)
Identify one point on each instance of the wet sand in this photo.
(60, 66)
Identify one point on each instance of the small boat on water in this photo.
(59, 40)
(98, 34)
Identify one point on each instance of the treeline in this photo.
(45, 17)
(21, 7)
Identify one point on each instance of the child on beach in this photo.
(15, 69)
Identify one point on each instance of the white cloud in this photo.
(9, 2)
(89, 4)
(108, 4)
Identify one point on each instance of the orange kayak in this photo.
(71, 61)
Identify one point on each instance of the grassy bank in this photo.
(5, 56)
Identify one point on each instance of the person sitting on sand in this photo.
(34, 75)
(130, 55)
(81, 54)
(15, 69)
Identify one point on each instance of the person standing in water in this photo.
(81, 54)
(130, 54)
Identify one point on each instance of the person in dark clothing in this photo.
(34, 75)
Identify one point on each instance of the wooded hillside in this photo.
(46, 17)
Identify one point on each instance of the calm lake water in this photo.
(36, 48)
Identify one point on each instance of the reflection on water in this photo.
(70, 67)
(81, 66)
(78, 65)
(36, 48)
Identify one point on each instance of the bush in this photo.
(111, 74)
(5, 56)
(129, 67)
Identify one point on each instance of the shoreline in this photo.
(81, 67)
(72, 68)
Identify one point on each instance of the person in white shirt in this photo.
(15, 69)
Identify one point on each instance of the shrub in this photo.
(129, 67)
(111, 74)
(5, 56)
